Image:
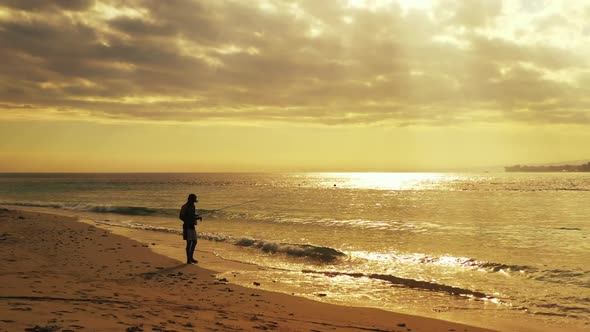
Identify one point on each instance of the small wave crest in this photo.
(476, 264)
(324, 254)
(125, 210)
(465, 262)
(578, 277)
(497, 267)
(31, 204)
(410, 283)
(139, 226)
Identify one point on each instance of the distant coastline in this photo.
(553, 168)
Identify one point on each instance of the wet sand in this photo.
(75, 276)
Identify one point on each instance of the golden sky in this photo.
(292, 85)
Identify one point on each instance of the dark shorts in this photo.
(189, 234)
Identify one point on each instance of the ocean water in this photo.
(500, 249)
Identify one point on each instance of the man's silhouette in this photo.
(188, 214)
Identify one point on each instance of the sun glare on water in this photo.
(386, 181)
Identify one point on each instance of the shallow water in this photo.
(499, 246)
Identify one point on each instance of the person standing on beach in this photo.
(188, 214)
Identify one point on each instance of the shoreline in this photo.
(77, 276)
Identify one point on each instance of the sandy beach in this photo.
(74, 276)
(353, 165)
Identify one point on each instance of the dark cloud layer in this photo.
(295, 61)
(44, 5)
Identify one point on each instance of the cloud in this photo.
(55, 5)
(321, 62)
(471, 14)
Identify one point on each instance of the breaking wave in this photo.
(324, 254)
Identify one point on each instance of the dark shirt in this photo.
(188, 215)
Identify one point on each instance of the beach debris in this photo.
(223, 280)
(134, 329)
(401, 324)
(219, 283)
(322, 294)
(256, 283)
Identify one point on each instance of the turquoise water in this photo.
(496, 245)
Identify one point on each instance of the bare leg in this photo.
(189, 252)
(192, 251)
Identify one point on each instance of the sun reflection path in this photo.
(386, 181)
